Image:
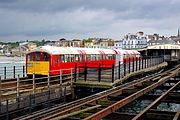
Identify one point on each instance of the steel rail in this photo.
(140, 115)
(46, 112)
(58, 109)
(100, 97)
(110, 109)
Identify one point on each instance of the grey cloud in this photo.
(86, 18)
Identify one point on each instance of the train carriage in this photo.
(53, 59)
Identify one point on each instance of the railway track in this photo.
(104, 103)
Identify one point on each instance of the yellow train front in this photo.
(37, 63)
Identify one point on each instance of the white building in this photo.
(118, 44)
(137, 41)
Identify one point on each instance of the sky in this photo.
(79, 19)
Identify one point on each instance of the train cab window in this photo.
(30, 57)
(46, 57)
(62, 60)
(38, 56)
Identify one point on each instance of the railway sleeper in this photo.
(159, 115)
(105, 103)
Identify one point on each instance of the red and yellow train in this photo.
(51, 59)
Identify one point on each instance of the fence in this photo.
(115, 72)
(12, 71)
(28, 93)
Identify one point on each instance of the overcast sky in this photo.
(55, 19)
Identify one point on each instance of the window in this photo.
(67, 58)
(30, 57)
(84, 57)
(46, 57)
(37, 56)
(70, 58)
(89, 57)
(80, 58)
(62, 59)
(76, 58)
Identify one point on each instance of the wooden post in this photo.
(0, 93)
(48, 80)
(65, 94)
(4, 72)
(34, 84)
(124, 67)
(23, 71)
(17, 88)
(133, 65)
(142, 62)
(129, 64)
(14, 71)
(113, 73)
(139, 63)
(7, 109)
(119, 67)
(145, 62)
(72, 90)
(136, 63)
(85, 72)
(75, 72)
(71, 76)
(60, 82)
(99, 73)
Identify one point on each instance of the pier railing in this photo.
(12, 72)
(111, 73)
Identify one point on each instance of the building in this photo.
(69, 43)
(118, 44)
(160, 42)
(135, 41)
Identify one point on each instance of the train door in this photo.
(45, 63)
(36, 63)
(41, 63)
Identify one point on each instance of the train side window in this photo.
(76, 58)
(67, 58)
(62, 58)
(80, 58)
(72, 58)
(38, 56)
(46, 57)
(30, 57)
(100, 57)
(113, 57)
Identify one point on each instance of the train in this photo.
(49, 60)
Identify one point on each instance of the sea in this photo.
(7, 66)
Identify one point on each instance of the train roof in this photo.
(71, 50)
(55, 50)
(120, 51)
